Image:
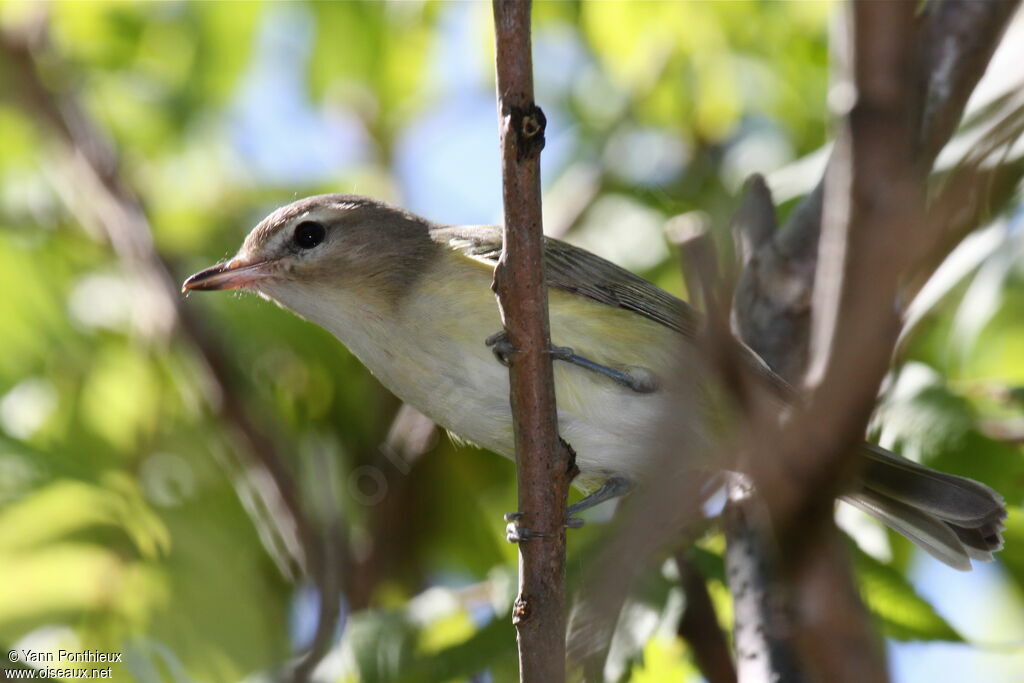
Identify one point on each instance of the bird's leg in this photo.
(613, 487)
(514, 533)
(501, 347)
(640, 381)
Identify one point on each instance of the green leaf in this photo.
(904, 614)
(494, 644)
(121, 399)
(381, 643)
(63, 578)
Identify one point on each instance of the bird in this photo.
(412, 300)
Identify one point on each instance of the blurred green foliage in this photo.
(123, 522)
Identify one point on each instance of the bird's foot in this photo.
(516, 533)
(637, 379)
(501, 347)
(574, 522)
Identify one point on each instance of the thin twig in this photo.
(699, 625)
(544, 464)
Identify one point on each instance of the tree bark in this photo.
(913, 76)
(544, 464)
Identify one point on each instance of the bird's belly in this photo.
(431, 354)
(468, 394)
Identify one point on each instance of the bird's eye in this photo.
(308, 234)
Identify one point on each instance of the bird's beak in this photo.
(233, 274)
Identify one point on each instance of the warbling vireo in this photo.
(412, 300)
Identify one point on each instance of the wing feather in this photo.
(580, 272)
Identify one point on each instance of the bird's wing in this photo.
(580, 272)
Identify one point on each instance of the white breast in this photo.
(430, 352)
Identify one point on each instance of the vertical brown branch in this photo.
(871, 228)
(544, 464)
(699, 625)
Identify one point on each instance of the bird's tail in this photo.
(954, 519)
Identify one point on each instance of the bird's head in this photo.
(326, 243)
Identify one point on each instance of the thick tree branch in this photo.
(544, 464)
(872, 228)
(873, 201)
(956, 39)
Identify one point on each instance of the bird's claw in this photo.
(501, 347)
(516, 533)
(562, 353)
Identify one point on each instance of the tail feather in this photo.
(980, 543)
(947, 496)
(953, 518)
(923, 530)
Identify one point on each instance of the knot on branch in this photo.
(527, 125)
(572, 470)
(520, 609)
